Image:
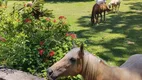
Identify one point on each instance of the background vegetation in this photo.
(114, 41)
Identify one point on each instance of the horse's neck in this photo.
(96, 69)
(106, 72)
(90, 67)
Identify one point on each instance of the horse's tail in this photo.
(92, 15)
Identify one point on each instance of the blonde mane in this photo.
(94, 68)
(90, 66)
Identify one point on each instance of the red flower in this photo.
(41, 43)
(51, 53)
(47, 19)
(41, 51)
(67, 34)
(73, 36)
(27, 20)
(54, 21)
(62, 17)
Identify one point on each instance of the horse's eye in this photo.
(72, 60)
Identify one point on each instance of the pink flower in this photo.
(51, 53)
(41, 51)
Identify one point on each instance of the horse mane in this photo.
(90, 66)
(94, 68)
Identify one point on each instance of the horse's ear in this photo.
(102, 62)
(74, 45)
(81, 52)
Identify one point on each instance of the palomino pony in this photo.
(115, 4)
(78, 61)
(97, 10)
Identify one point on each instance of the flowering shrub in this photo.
(32, 44)
(3, 3)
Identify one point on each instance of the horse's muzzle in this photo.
(49, 71)
(50, 74)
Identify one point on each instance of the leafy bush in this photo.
(32, 44)
(3, 3)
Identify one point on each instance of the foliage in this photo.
(33, 44)
(3, 2)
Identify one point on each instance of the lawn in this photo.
(115, 40)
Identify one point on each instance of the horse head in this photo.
(71, 64)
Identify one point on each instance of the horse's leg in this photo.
(92, 20)
(112, 8)
(101, 17)
(97, 17)
(115, 8)
(118, 6)
(104, 16)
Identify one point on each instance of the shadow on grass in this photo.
(84, 21)
(123, 23)
(135, 6)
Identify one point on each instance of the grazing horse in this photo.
(77, 61)
(97, 10)
(10, 74)
(115, 4)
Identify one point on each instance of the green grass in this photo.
(109, 40)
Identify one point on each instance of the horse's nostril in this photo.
(50, 71)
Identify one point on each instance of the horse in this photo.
(12, 74)
(134, 63)
(115, 4)
(97, 10)
(78, 61)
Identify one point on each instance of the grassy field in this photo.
(116, 39)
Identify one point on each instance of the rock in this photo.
(11, 74)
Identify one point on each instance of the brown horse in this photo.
(78, 61)
(97, 10)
